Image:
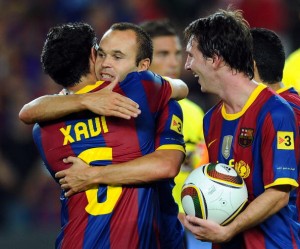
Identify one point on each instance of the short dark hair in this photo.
(227, 34)
(159, 27)
(268, 54)
(66, 52)
(144, 42)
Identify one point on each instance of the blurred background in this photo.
(30, 209)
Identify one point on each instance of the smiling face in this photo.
(116, 56)
(167, 56)
(196, 63)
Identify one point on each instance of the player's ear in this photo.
(93, 54)
(144, 64)
(217, 60)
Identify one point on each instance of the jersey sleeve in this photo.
(169, 128)
(280, 142)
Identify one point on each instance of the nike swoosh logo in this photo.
(211, 143)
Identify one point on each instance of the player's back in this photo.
(108, 216)
(293, 98)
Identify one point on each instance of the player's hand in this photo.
(206, 230)
(76, 178)
(109, 103)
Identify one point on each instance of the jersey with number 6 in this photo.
(113, 217)
(262, 143)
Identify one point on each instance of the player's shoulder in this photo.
(277, 104)
(146, 75)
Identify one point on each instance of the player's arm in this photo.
(264, 206)
(158, 165)
(164, 163)
(180, 89)
(103, 102)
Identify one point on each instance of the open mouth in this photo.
(106, 77)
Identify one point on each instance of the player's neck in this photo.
(237, 94)
(84, 81)
(276, 86)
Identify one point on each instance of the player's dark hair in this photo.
(225, 33)
(66, 52)
(268, 54)
(144, 42)
(157, 28)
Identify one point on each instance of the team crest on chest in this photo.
(226, 145)
(246, 137)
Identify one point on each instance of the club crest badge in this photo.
(246, 137)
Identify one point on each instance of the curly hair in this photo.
(227, 34)
(66, 52)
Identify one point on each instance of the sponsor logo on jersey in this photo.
(246, 137)
(226, 145)
(211, 142)
(285, 140)
(176, 124)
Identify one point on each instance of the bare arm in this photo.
(265, 205)
(179, 88)
(103, 102)
(158, 165)
(50, 107)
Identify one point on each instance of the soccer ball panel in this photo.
(214, 192)
(194, 202)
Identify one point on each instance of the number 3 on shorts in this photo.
(113, 192)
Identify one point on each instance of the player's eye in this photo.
(101, 54)
(117, 56)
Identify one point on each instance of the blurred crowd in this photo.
(29, 197)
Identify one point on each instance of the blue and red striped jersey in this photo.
(293, 98)
(113, 217)
(261, 142)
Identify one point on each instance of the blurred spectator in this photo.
(291, 72)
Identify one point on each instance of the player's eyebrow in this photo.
(118, 52)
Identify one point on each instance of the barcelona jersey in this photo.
(293, 98)
(261, 142)
(114, 217)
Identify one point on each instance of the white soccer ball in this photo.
(214, 191)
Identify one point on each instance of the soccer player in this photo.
(269, 60)
(115, 214)
(167, 61)
(251, 129)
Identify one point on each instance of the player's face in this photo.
(199, 66)
(167, 56)
(116, 56)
